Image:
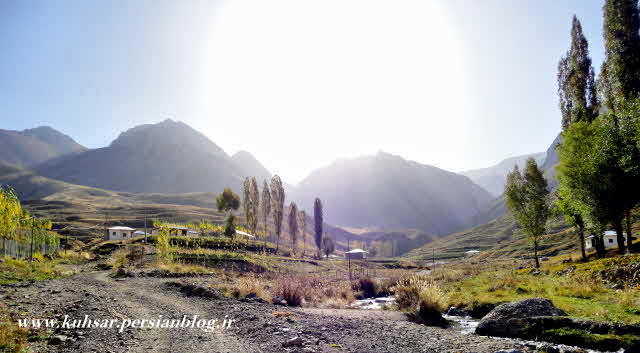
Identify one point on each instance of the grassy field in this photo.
(583, 290)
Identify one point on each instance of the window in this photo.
(114, 233)
(610, 240)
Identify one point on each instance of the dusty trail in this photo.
(256, 330)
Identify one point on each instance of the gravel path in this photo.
(256, 329)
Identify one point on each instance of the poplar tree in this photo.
(254, 197)
(620, 72)
(293, 226)
(578, 103)
(303, 229)
(277, 206)
(266, 210)
(317, 218)
(528, 200)
(576, 83)
(246, 200)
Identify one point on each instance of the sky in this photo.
(458, 84)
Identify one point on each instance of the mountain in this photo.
(167, 157)
(32, 146)
(250, 166)
(493, 178)
(390, 192)
(498, 236)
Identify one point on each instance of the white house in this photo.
(610, 240)
(356, 254)
(120, 233)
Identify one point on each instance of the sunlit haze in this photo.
(455, 84)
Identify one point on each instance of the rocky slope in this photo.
(493, 178)
(387, 191)
(168, 157)
(33, 146)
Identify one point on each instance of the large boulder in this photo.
(505, 319)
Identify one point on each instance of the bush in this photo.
(251, 286)
(367, 287)
(422, 298)
(290, 290)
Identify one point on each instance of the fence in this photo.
(22, 249)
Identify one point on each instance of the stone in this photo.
(498, 322)
(58, 339)
(453, 311)
(547, 348)
(296, 341)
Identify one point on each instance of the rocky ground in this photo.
(258, 327)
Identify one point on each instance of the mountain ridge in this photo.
(167, 157)
(416, 195)
(33, 146)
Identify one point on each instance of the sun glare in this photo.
(334, 76)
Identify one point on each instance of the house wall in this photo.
(610, 241)
(356, 256)
(120, 234)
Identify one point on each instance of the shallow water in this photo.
(467, 325)
(373, 303)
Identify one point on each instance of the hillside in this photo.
(498, 237)
(168, 157)
(389, 192)
(32, 146)
(80, 211)
(493, 178)
(250, 166)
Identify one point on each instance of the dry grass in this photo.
(119, 258)
(73, 257)
(12, 337)
(420, 291)
(251, 286)
(175, 267)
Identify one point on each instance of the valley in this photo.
(308, 177)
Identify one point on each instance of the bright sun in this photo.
(337, 78)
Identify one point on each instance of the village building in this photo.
(356, 254)
(610, 240)
(119, 233)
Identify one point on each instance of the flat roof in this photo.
(354, 251)
(120, 228)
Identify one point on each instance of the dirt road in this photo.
(256, 328)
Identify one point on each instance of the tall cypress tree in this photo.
(620, 74)
(317, 218)
(293, 226)
(576, 82)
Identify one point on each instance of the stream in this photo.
(466, 325)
